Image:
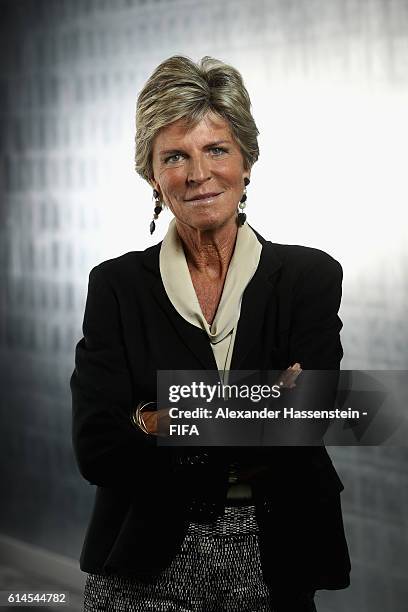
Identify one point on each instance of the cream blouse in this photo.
(180, 290)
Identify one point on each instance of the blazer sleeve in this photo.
(315, 340)
(107, 446)
(315, 336)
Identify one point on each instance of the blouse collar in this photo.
(180, 289)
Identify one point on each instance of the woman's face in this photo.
(201, 161)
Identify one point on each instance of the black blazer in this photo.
(145, 494)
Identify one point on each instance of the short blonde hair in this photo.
(181, 89)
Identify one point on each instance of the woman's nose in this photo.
(198, 169)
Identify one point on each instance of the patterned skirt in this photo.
(217, 569)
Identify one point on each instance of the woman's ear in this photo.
(154, 184)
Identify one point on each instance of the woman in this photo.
(212, 528)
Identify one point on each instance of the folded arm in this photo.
(108, 446)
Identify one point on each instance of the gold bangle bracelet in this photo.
(137, 418)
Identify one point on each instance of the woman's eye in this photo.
(218, 150)
(174, 158)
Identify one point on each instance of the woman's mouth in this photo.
(206, 198)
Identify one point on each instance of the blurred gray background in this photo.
(328, 81)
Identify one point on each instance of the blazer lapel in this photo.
(255, 301)
(195, 339)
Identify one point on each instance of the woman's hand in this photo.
(288, 377)
(156, 421)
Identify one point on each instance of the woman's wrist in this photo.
(137, 415)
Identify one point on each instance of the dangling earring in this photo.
(242, 203)
(158, 207)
